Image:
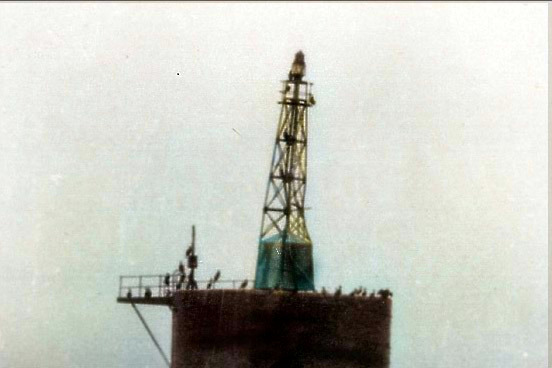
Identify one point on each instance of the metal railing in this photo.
(136, 286)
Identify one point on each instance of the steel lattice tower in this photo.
(285, 247)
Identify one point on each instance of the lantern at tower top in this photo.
(298, 67)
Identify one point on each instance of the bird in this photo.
(385, 293)
(129, 293)
(217, 276)
(167, 279)
(181, 267)
(288, 88)
(209, 284)
(338, 292)
(243, 284)
(147, 294)
(312, 101)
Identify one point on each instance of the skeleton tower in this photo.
(285, 248)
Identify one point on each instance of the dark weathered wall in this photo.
(238, 328)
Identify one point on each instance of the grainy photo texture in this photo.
(273, 185)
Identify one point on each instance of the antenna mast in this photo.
(192, 263)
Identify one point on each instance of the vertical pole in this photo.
(193, 239)
(288, 183)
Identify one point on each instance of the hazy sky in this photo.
(427, 167)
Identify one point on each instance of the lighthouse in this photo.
(278, 319)
(285, 247)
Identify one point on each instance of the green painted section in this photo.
(284, 265)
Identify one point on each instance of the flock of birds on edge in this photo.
(192, 285)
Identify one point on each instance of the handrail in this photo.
(135, 286)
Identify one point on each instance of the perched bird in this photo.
(217, 276)
(147, 294)
(338, 292)
(384, 293)
(287, 89)
(243, 284)
(167, 279)
(129, 293)
(209, 284)
(191, 285)
(312, 100)
(181, 267)
(289, 139)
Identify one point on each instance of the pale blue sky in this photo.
(427, 167)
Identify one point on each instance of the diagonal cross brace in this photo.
(151, 335)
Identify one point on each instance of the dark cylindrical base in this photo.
(252, 328)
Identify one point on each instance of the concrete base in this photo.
(253, 328)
